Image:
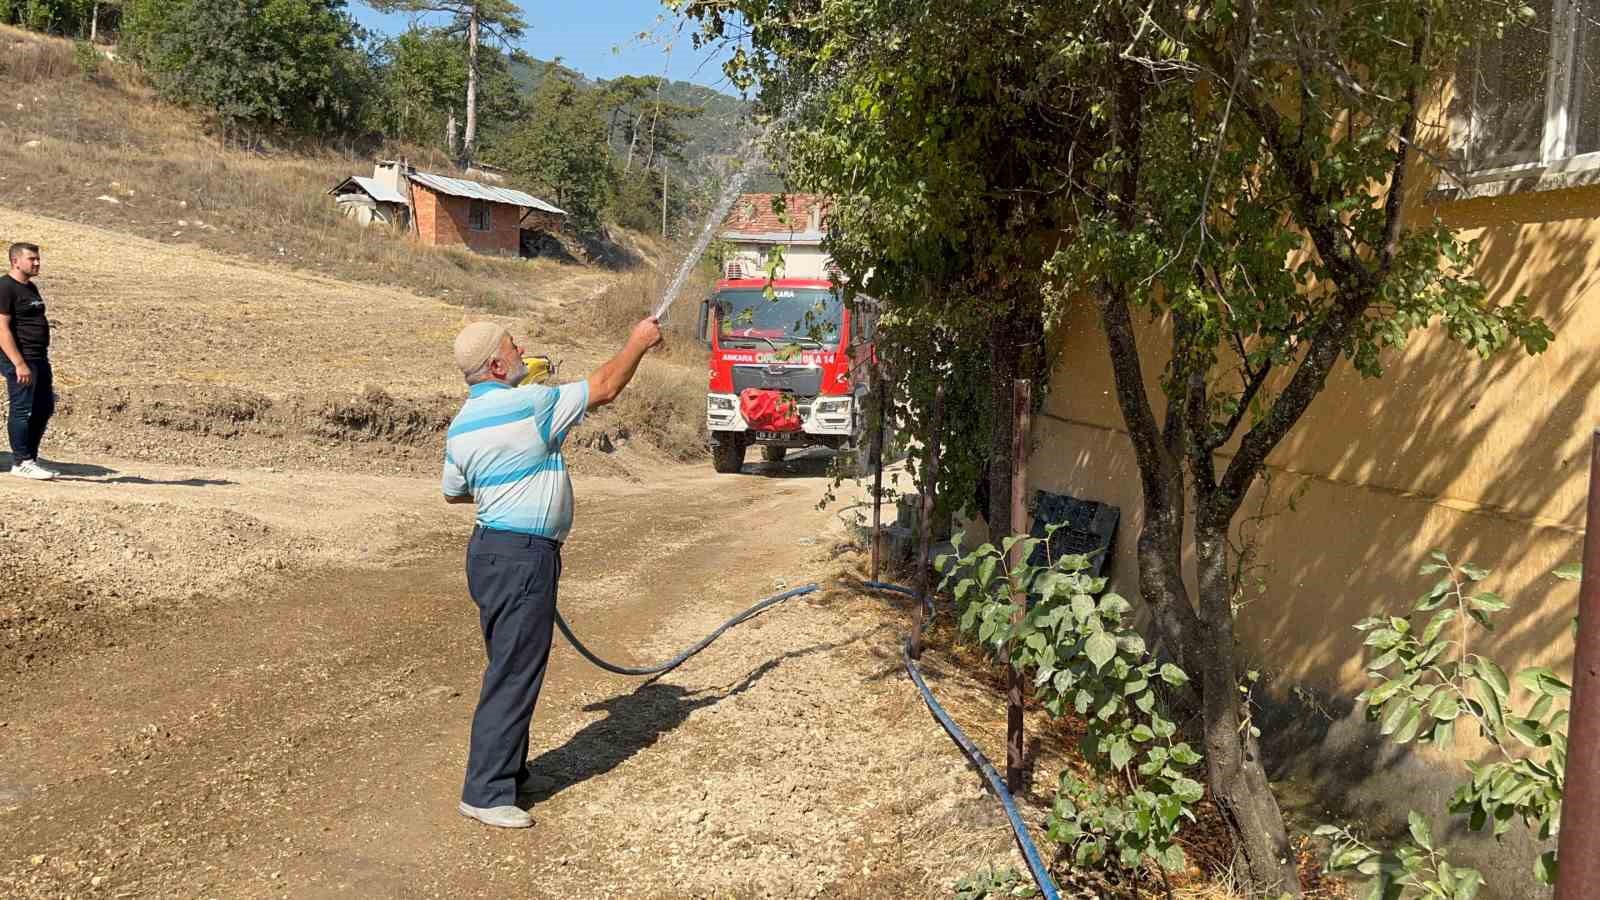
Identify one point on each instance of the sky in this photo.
(600, 38)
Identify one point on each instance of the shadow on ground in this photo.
(636, 721)
(96, 474)
(813, 462)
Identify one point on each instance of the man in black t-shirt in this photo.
(25, 362)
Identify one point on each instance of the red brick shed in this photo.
(453, 211)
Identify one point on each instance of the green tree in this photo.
(259, 66)
(77, 18)
(641, 120)
(560, 148)
(423, 77)
(501, 20)
(1234, 173)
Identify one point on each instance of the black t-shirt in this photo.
(26, 308)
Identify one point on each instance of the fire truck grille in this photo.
(805, 381)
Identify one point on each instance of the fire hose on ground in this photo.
(1019, 829)
(679, 660)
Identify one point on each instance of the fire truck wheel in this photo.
(727, 454)
(773, 454)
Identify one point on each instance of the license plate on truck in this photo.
(781, 437)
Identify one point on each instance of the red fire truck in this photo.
(789, 368)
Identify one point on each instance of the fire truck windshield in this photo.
(810, 317)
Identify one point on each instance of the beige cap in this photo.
(477, 344)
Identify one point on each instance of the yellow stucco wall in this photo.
(1487, 460)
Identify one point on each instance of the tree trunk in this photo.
(633, 141)
(1233, 759)
(1160, 546)
(1203, 642)
(1005, 355)
(94, 22)
(469, 140)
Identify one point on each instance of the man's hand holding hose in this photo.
(606, 382)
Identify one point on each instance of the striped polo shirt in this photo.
(504, 448)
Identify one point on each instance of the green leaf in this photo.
(1408, 729)
(1082, 606)
(1544, 868)
(1468, 883)
(1445, 707)
(1542, 681)
(1187, 789)
(1526, 733)
(1394, 714)
(1444, 734)
(1121, 753)
(1172, 858)
(1173, 675)
(1142, 733)
(1570, 572)
(1436, 624)
(1100, 647)
(1473, 572)
(1381, 694)
(1488, 602)
(1113, 605)
(1184, 755)
(985, 572)
(1541, 707)
(1419, 830)
(1494, 676)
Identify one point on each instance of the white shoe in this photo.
(498, 816)
(30, 469)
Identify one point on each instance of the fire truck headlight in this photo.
(720, 404)
(832, 407)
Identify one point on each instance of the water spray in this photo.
(724, 203)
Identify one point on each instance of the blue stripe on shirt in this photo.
(467, 427)
(550, 464)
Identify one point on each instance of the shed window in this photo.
(1524, 98)
(478, 216)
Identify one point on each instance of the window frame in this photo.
(473, 207)
(1557, 139)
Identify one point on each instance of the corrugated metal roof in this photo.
(375, 189)
(460, 187)
(773, 237)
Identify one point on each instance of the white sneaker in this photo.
(498, 816)
(30, 469)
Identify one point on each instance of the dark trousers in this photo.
(31, 407)
(513, 579)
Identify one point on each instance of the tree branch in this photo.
(1393, 207)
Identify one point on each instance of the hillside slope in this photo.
(100, 149)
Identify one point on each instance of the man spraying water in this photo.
(503, 452)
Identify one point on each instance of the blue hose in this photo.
(1041, 875)
(902, 589)
(678, 660)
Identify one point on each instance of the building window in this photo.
(478, 216)
(1532, 97)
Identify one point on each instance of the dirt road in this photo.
(309, 740)
(237, 656)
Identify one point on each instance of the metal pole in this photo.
(930, 494)
(1021, 402)
(1579, 869)
(877, 470)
